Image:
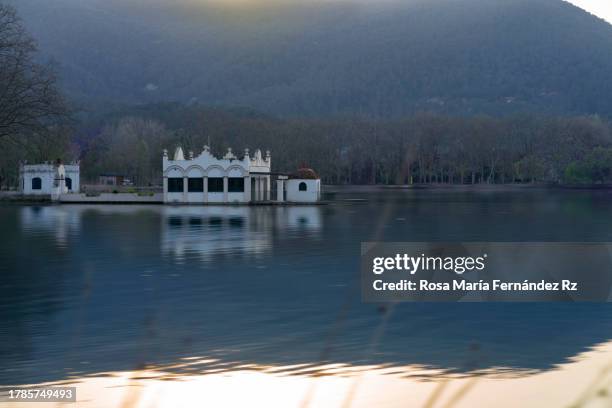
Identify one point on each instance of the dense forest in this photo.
(423, 148)
(387, 58)
(356, 116)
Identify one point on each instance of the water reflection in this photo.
(210, 231)
(206, 232)
(61, 222)
(300, 219)
(267, 291)
(585, 382)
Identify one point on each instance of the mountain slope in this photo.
(328, 58)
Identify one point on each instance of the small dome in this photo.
(305, 173)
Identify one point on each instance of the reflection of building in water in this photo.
(63, 221)
(301, 218)
(208, 231)
(214, 230)
(59, 221)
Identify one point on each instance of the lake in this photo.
(260, 306)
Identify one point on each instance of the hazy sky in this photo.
(601, 8)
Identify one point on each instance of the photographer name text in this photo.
(457, 265)
(496, 285)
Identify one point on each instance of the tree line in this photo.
(33, 113)
(36, 124)
(420, 149)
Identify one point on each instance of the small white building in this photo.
(207, 179)
(303, 190)
(302, 187)
(49, 179)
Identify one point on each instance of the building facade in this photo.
(49, 179)
(303, 190)
(208, 179)
(304, 186)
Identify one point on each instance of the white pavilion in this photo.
(47, 178)
(208, 179)
(229, 179)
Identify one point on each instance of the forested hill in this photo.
(313, 58)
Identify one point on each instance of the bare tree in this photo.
(29, 98)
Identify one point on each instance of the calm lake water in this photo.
(90, 290)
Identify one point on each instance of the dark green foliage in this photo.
(332, 58)
(595, 167)
(424, 148)
(343, 87)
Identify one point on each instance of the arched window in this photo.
(36, 183)
(235, 184)
(215, 184)
(68, 183)
(303, 186)
(175, 184)
(195, 185)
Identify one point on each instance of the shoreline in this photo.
(465, 187)
(133, 198)
(130, 198)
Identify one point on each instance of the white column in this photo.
(247, 189)
(205, 189)
(184, 189)
(256, 188)
(225, 199)
(262, 189)
(268, 187)
(280, 188)
(165, 189)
